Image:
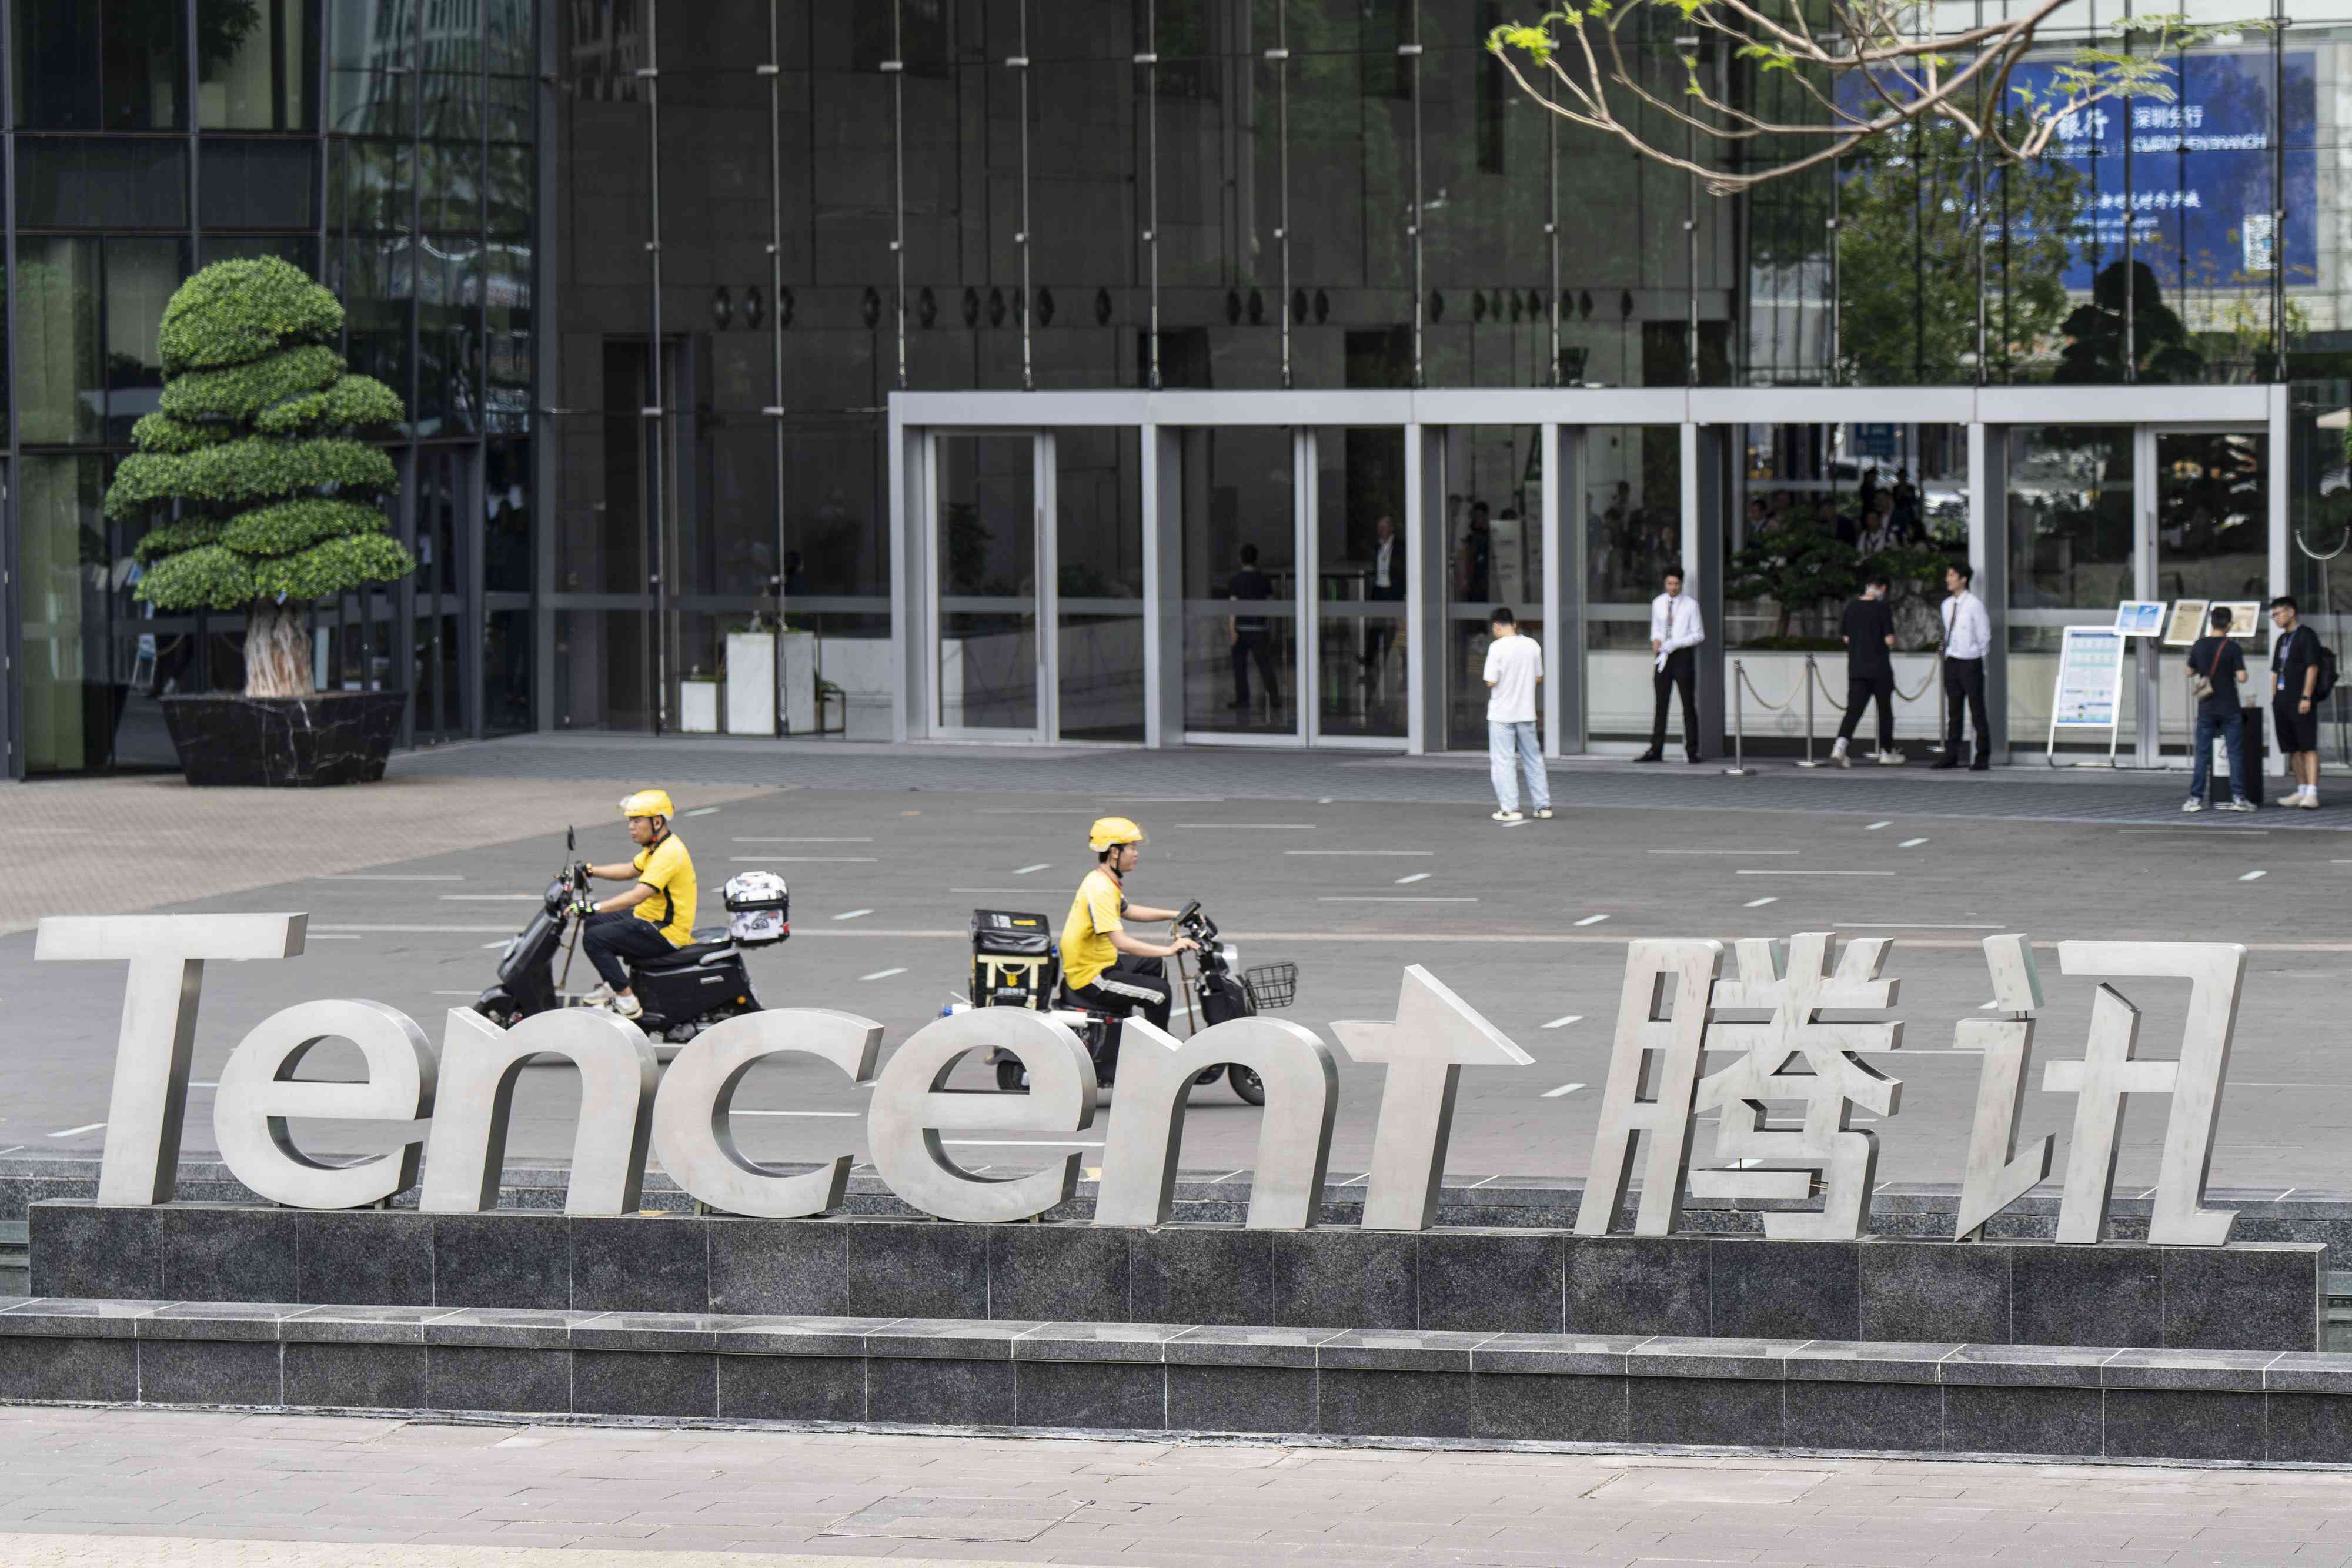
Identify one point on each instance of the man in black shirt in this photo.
(1869, 632)
(2294, 706)
(2217, 660)
(1252, 635)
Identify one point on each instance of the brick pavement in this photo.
(127, 1488)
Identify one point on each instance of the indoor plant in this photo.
(264, 500)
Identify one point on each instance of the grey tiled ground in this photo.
(183, 1476)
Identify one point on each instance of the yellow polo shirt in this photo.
(1094, 912)
(668, 869)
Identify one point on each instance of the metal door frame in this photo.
(1045, 596)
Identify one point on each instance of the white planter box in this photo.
(697, 708)
(796, 681)
(751, 683)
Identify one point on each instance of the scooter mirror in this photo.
(569, 843)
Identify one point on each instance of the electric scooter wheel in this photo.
(1011, 1078)
(1247, 1084)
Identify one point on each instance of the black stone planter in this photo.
(332, 738)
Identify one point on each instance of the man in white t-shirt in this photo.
(1514, 667)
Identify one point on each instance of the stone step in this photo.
(1157, 1380)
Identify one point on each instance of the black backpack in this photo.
(2324, 659)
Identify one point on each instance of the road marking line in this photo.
(501, 943)
(1910, 843)
(1726, 852)
(1592, 920)
(457, 930)
(1270, 826)
(457, 993)
(386, 876)
(2253, 876)
(76, 1132)
(884, 974)
(1383, 898)
(1565, 1019)
(1563, 1089)
(491, 897)
(1760, 903)
(700, 811)
(1359, 852)
(1010, 892)
(1751, 870)
(799, 1112)
(1417, 876)
(1875, 826)
(853, 915)
(1041, 865)
(864, 840)
(12, 1149)
(2185, 832)
(805, 860)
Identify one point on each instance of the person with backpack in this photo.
(2216, 667)
(2303, 671)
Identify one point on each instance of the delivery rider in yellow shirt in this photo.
(1107, 968)
(655, 915)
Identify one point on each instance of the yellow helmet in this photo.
(649, 803)
(1108, 833)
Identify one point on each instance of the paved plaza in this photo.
(1351, 867)
(347, 1485)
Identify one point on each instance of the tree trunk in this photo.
(276, 652)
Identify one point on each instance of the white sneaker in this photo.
(1889, 759)
(1841, 758)
(598, 997)
(626, 1007)
(2291, 798)
(1510, 816)
(2239, 804)
(1543, 813)
(2309, 801)
(2193, 803)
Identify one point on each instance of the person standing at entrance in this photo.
(1385, 586)
(2295, 700)
(2217, 661)
(1968, 638)
(1869, 632)
(1250, 635)
(1514, 667)
(1675, 636)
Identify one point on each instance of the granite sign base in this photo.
(1161, 1380)
(2247, 1297)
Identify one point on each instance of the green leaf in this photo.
(258, 468)
(234, 312)
(352, 403)
(332, 565)
(242, 391)
(292, 526)
(209, 576)
(170, 538)
(162, 432)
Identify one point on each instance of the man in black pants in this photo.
(1968, 638)
(1675, 636)
(1250, 635)
(1869, 632)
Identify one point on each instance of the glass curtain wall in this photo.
(1241, 582)
(985, 533)
(2071, 559)
(1361, 656)
(1098, 580)
(1494, 556)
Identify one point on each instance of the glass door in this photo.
(989, 581)
(2211, 543)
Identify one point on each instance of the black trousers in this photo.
(1681, 673)
(1129, 987)
(1964, 683)
(1258, 645)
(609, 939)
(1865, 686)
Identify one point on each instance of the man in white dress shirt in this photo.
(1675, 636)
(1968, 638)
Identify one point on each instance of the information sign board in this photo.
(2140, 617)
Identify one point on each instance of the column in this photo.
(1702, 491)
(1988, 555)
(1563, 589)
(1424, 608)
(1163, 586)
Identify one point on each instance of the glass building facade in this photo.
(995, 342)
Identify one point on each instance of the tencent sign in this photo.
(1799, 1020)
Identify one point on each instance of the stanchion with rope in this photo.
(1738, 768)
(1811, 675)
(1814, 678)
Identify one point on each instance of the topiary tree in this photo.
(264, 500)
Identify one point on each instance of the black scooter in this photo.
(1212, 991)
(683, 993)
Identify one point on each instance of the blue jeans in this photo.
(2231, 729)
(1509, 747)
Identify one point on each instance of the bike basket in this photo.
(1272, 985)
